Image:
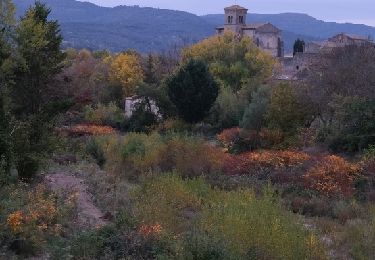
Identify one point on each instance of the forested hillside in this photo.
(85, 25)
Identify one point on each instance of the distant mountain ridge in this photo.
(86, 25)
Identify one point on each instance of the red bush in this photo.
(229, 136)
(252, 162)
(332, 176)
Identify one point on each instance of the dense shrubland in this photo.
(234, 165)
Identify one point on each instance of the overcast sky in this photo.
(356, 11)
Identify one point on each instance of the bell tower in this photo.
(235, 18)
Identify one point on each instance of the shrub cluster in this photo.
(138, 154)
(240, 224)
(263, 161)
(31, 217)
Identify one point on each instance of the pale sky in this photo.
(355, 11)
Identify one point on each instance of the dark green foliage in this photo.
(299, 46)
(35, 101)
(38, 41)
(193, 90)
(5, 145)
(96, 152)
(354, 126)
(200, 245)
(142, 118)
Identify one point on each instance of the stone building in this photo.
(265, 35)
(337, 41)
(297, 67)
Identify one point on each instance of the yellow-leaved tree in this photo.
(232, 61)
(126, 70)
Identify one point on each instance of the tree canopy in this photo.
(193, 90)
(232, 61)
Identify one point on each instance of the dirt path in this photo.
(89, 216)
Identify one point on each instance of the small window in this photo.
(240, 19)
(230, 19)
(297, 67)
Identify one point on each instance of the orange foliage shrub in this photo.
(149, 230)
(39, 218)
(228, 136)
(332, 176)
(251, 162)
(86, 130)
(191, 159)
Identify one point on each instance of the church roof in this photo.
(263, 27)
(255, 25)
(235, 7)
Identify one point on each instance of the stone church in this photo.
(265, 35)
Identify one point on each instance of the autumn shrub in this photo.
(333, 176)
(85, 130)
(228, 137)
(101, 114)
(173, 125)
(263, 161)
(30, 218)
(200, 218)
(139, 154)
(241, 140)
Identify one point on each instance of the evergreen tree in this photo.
(193, 90)
(35, 100)
(7, 11)
(299, 46)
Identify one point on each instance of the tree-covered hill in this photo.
(85, 25)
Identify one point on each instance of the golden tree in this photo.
(232, 61)
(126, 70)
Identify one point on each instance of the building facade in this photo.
(265, 35)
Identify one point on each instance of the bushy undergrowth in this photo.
(263, 161)
(101, 114)
(30, 217)
(245, 226)
(137, 154)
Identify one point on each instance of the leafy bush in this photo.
(29, 218)
(285, 111)
(333, 176)
(228, 109)
(263, 162)
(139, 154)
(245, 226)
(96, 152)
(142, 119)
(101, 114)
(239, 140)
(86, 130)
(353, 126)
